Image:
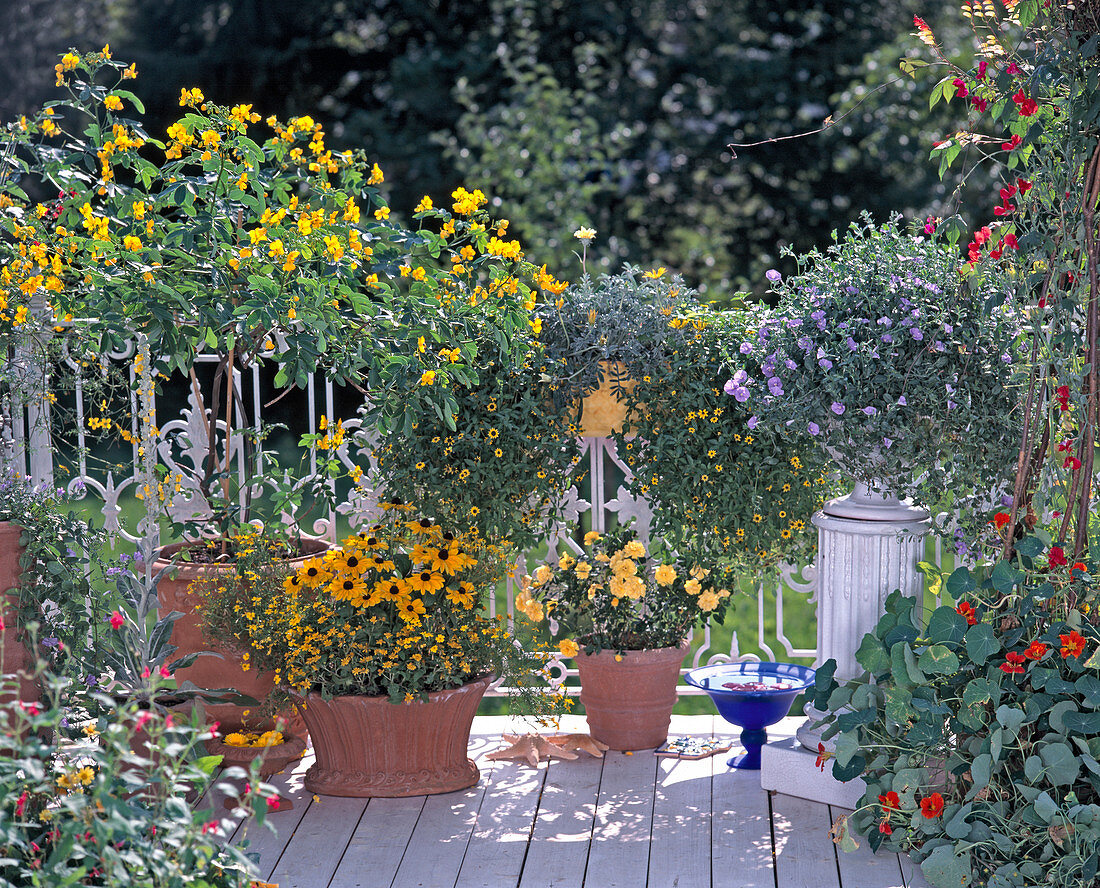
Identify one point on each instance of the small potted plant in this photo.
(627, 614)
(388, 647)
(880, 351)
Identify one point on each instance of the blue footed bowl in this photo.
(752, 710)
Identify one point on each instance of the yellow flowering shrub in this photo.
(398, 610)
(614, 594)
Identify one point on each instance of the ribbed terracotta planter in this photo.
(368, 747)
(15, 659)
(629, 702)
(226, 670)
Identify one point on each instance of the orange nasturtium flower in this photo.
(1072, 644)
(932, 806)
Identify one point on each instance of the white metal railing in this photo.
(26, 446)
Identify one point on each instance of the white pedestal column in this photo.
(868, 546)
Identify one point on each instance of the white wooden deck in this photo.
(626, 821)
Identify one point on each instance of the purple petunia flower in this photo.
(753, 422)
(870, 411)
(825, 364)
(887, 338)
(916, 333)
(813, 428)
(887, 443)
(775, 386)
(885, 322)
(746, 348)
(902, 402)
(852, 344)
(791, 365)
(772, 275)
(837, 408)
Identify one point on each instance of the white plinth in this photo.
(785, 766)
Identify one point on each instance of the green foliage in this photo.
(54, 591)
(727, 494)
(978, 731)
(906, 376)
(111, 809)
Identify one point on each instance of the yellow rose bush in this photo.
(615, 595)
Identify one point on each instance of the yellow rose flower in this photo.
(634, 549)
(708, 601)
(543, 574)
(591, 537)
(583, 570)
(693, 586)
(665, 575)
(566, 561)
(568, 647)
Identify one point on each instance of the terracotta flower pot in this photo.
(15, 658)
(629, 702)
(228, 669)
(367, 747)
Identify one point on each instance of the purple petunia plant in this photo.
(881, 352)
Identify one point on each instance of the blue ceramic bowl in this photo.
(752, 708)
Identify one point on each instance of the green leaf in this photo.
(944, 868)
(1030, 546)
(960, 582)
(981, 643)
(872, 655)
(1010, 718)
(1082, 723)
(1058, 712)
(912, 668)
(958, 827)
(899, 703)
(847, 745)
(1005, 577)
(208, 763)
(939, 660)
(1045, 807)
(981, 770)
(946, 625)
(1061, 764)
(1089, 686)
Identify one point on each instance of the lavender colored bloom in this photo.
(887, 338)
(1006, 358)
(738, 386)
(772, 275)
(851, 290)
(939, 346)
(775, 386)
(870, 411)
(813, 428)
(947, 328)
(837, 408)
(50, 642)
(887, 443)
(885, 322)
(793, 322)
(916, 333)
(852, 345)
(805, 343)
(90, 681)
(123, 557)
(951, 405)
(753, 422)
(791, 365)
(902, 402)
(825, 364)
(746, 348)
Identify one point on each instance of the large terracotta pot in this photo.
(629, 702)
(368, 747)
(226, 670)
(15, 658)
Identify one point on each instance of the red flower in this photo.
(930, 225)
(1062, 394)
(1078, 566)
(932, 806)
(1008, 192)
(960, 88)
(1009, 240)
(1073, 644)
(1001, 519)
(1012, 144)
(1024, 185)
(885, 828)
(1072, 462)
(982, 65)
(1014, 663)
(1056, 557)
(823, 755)
(116, 620)
(890, 801)
(1013, 68)
(982, 235)
(966, 609)
(1026, 106)
(273, 803)
(1036, 650)
(21, 804)
(979, 103)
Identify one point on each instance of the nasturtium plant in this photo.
(977, 726)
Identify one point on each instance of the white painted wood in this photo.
(315, 849)
(619, 855)
(804, 853)
(741, 833)
(261, 840)
(863, 868)
(558, 851)
(379, 843)
(498, 845)
(914, 878)
(438, 843)
(680, 851)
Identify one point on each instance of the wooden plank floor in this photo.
(626, 821)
